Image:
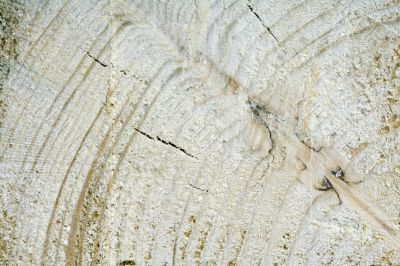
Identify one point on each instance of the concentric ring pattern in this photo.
(128, 138)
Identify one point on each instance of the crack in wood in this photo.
(262, 22)
(333, 178)
(201, 189)
(165, 142)
(127, 262)
(96, 60)
(307, 144)
(327, 186)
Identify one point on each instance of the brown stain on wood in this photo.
(202, 242)
(356, 150)
(233, 84)
(10, 14)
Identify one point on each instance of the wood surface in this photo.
(194, 132)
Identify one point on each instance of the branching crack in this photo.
(262, 22)
(96, 60)
(326, 186)
(165, 142)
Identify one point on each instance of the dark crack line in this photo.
(165, 142)
(201, 189)
(269, 30)
(96, 60)
(127, 262)
(123, 71)
(252, 11)
(173, 145)
(144, 134)
(327, 186)
(262, 22)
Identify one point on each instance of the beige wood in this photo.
(182, 132)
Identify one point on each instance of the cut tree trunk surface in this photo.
(200, 132)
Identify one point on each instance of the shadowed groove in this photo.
(53, 33)
(52, 21)
(278, 210)
(92, 64)
(119, 198)
(337, 42)
(115, 175)
(95, 159)
(67, 172)
(60, 132)
(77, 68)
(323, 50)
(71, 96)
(64, 179)
(186, 209)
(42, 76)
(125, 150)
(76, 219)
(252, 200)
(58, 117)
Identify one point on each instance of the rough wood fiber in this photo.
(200, 132)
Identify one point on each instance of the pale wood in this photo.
(202, 132)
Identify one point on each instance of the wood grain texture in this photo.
(202, 133)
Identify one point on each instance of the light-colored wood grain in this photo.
(202, 132)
